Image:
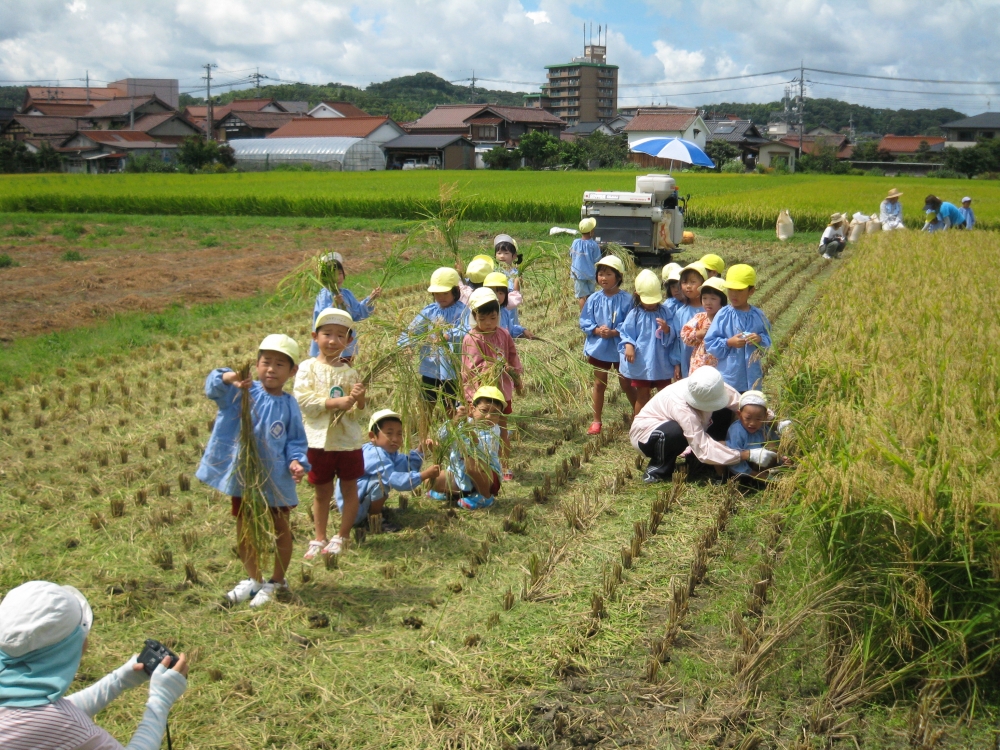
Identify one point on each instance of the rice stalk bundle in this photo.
(251, 472)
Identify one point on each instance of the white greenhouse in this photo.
(337, 154)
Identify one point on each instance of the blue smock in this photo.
(682, 314)
(437, 359)
(357, 310)
(739, 439)
(970, 217)
(510, 321)
(952, 213)
(278, 429)
(653, 360)
(602, 309)
(583, 257)
(383, 471)
(735, 364)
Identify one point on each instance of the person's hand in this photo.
(629, 353)
(431, 472)
(375, 294)
(677, 373)
(181, 665)
(663, 326)
(762, 457)
(358, 391)
(736, 342)
(232, 378)
(461, 412)
(753, 338)
(429, 443)
(297, 471)
(783, 425)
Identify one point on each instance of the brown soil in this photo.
(137, 272)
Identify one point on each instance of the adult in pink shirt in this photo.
(694, 412)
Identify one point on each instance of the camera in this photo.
(153, 654)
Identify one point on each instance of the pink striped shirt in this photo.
(55, 726)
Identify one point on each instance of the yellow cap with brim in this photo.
(648, 287)
(588, 225)
(612, 261)
(671, 272)
(482, 296)
(491, 392)
(716, 283)
(333, 316)
(486, 259)
(495, 280)
(741, 276)
(698, 267)
(478, 270)
(713, 263)
(279, 342)
(380, 415)
(444, 280)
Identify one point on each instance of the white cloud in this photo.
(538, 16)
(77, 6)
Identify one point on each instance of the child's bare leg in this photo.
(628, 390)
(375, 509)
(600, 388)
(642, 396)
(247, 554)
(283, 539)
(480, 479)
(582, 301)
(321, 509)
(350, 512)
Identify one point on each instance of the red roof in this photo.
(907, 144)
(452, 116)
(69, 94)
(263, 120)
(484, 121)
(346, 109)
(811, 142)
(675, 119)
(121, 107)
(55, 109)
(44, 125)
(527, 114)
(346, 127)
(130, 139)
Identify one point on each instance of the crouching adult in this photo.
(691, 413)
(43, 634)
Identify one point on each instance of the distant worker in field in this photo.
(942, 215)
(692, 413)
(335, 294)
(890, 212)
(583, 255)
(740, 333)
(834, 238)
(281, 441)
(966, 209)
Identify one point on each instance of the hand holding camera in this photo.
(155, 653)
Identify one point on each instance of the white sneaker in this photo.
(315, 547)
(267, 592)
(244, 590)
(827, 256)
(336, 545)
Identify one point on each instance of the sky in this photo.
(508, 42)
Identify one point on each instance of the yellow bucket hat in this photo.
(444, 280)
(713, 263)
(741, 276)
(648, 287)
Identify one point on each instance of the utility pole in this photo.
(88, 87)
(472, 90)
(257, 76)
(802, 102)
(853, 131)
(208, 95)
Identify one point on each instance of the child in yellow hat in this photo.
(713, 298)
(646, 343)
(692, 277)
(740, 333)
(583, 256)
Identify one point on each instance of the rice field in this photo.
(583, 610)
(717, 200)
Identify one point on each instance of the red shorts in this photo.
(600, 364)
(345, 465)
(238, 503)
(658, 384)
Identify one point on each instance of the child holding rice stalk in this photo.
(713, 299)
(740, 334)
(509, 319)
(280, 460)
(691, 278)
(473, 462)
(335, 294)
(328, 390)
(441, 326)
(601, 317)
(583, 255)
(490, 357)
(508, 258)
(755, 429)
(646, 341)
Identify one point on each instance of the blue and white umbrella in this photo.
(675, 149)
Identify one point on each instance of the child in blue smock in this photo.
(509, 319)
(386, 468)
(583, 256)
(740, 333)
(691, 279)
(602, 315)
(281, 441)
(753, 430)
(646, 341)
(438, 360)
(671, 275)
(332, 268)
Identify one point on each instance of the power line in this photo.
(908, 80)
(708, 80)
(899, 91)
(714, 91)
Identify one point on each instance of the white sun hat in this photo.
(706, 390)
(39, 614)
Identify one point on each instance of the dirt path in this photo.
(136, 272)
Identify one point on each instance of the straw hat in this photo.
(893, 193)
(837, 219)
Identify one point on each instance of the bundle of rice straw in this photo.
(258, 526)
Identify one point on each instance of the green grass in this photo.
(718, 200)
(7, 262)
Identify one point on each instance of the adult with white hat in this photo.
(43, 634)
(966, 209)
(834, 238)
(890, 211)
(692, 413)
